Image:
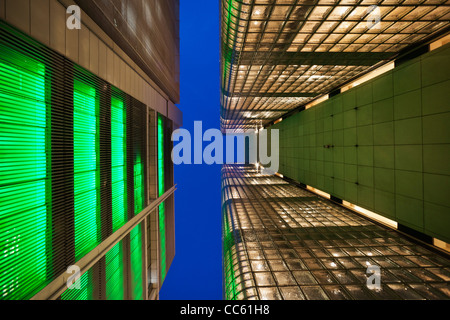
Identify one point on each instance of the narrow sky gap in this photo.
(196, 272)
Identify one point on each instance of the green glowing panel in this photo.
(25, 198)
(119, 164)
(160, 156)
(86, 168)
(231, 27)
(161, 190)
(229, 245)
(114, 273)
(136, 263)
(82, 289)
(138, 184)
(162, 236)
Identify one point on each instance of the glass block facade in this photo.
(283, 242)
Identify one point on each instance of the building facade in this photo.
(87, 108)
(356, 90)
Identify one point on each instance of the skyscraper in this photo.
(359, 206)
(87, 106)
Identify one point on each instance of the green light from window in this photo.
(114, 273)
(25, 198)
(86, 172)
(136, 263)
(161, 190)
(228, 245)
(119, 164)
(138, 185)
(84, 291)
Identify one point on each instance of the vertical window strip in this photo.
(86, 168)
(138, 184)
(114, 268)
(118, 162)
(136, 263)
(24, 200)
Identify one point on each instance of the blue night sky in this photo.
(196, 270)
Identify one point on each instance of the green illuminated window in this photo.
(118, 161)
(138, 184)
(114, 273)
(136, 263)
(25, 198)
(162, 236)
(228, 245)
(80, 290)
(161, 190)
(86, 168)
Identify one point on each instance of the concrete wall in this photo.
(391, 144)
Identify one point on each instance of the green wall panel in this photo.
(391, 139)
(407, 77)
(408, 105)
(409, 211)
(25, 199)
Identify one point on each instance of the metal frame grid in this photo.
(280, 54)
(299, 246)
